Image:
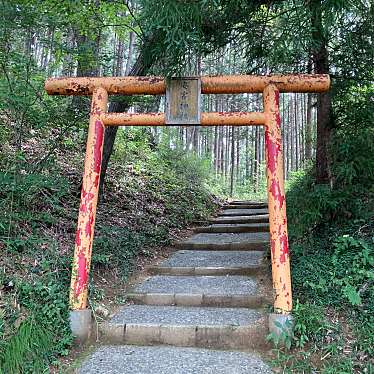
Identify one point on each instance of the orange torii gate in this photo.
(99, 88)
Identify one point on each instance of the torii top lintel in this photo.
(226, 84)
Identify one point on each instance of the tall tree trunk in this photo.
(257, 159)
(222, 153)
(324, 107)
(253, 153)
(302, 127)
(292, 133)
(238, 155)
(196, 136)
(87, 65)
(232, 160)
(247, 165)
(283, 120)
(215, 149)
(297, 145)
(308, 128)
(227, 153)
(68, 63)
(119, 63)
(190, 140)
(130, 52)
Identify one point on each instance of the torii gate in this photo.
(183, 108)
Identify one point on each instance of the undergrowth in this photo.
(151, 192)
(331, 236)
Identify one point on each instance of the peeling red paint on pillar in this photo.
(276, 192)
(277, 203)
(98, 149)
(89, 197)
(284, 248)
(82, 276)
(273, 151)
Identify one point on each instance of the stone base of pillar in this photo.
(80, 324)
(281, 327)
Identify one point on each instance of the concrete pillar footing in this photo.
(80, 324)
(281, 327)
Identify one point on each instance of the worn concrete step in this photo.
(253, 270)
(260, 218)
(226, 241)
(247, 202)
(211, 263)
(187, 326)
(130, 359)
(245, 206)
(226, 259)
(234, 227)
(243, 212)
(199, 300)
(231, 291)
(214, 285)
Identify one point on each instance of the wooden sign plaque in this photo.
(183, 97)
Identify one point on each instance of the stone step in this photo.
(243, 212)
(230, 291)
(171, 360)
(233, 227)
(261, 218)
(245, 206)
(246, 202)
(199, 300)
(206, 270)
(211, 263)
(226, 241)
(227, 328)
(214, 258)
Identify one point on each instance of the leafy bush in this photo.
(331, 241)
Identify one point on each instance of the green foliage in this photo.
(310, 323)
(284, 338)
(332, 243)
(30, 203)
(353, 261)
(338, 219)
(177, 29)
(117, 247)
(268, 37)
(219, 185)
(25, 351)
(353, 168)
(151, 191)
(173, 178)
(336, 278)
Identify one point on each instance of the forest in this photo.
(157, 181)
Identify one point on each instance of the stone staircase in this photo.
(200, 311)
